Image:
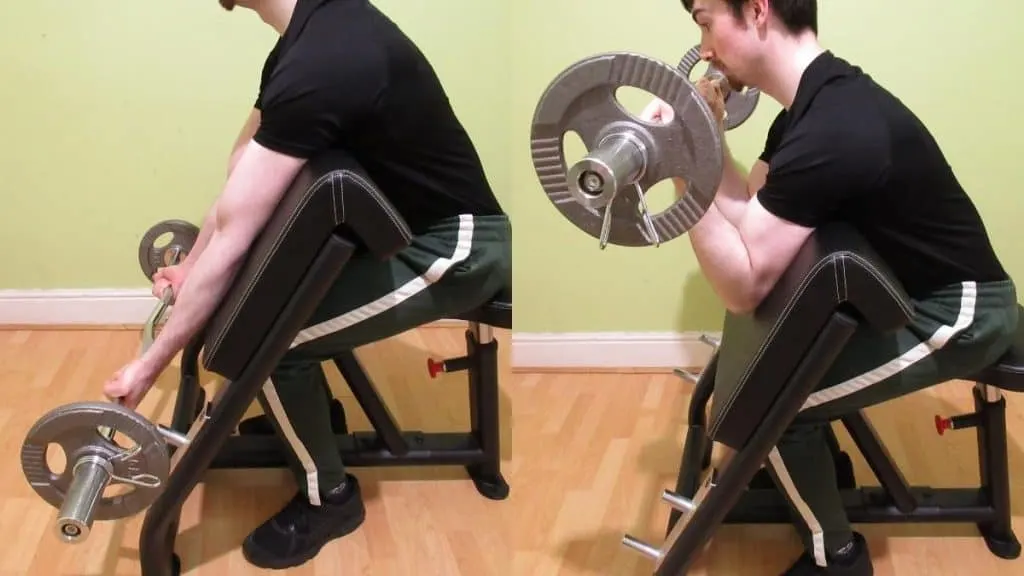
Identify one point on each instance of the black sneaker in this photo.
(296, 534)
(856, 562)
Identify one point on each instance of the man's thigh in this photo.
(453, 267)
(956, 332)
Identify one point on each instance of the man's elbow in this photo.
(741, 305)
(748, 299)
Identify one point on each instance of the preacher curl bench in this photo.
(331, 211)
(766, 366)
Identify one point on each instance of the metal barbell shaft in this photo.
(74, 520)
(149, 329)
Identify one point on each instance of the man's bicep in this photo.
(757, 176)
(772, 244)
(254, 190)
(252, 123)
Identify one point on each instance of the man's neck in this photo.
(276, 13)
(785, 64)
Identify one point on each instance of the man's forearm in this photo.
(204, 288)
(724, 258)
(209, 221)
(205, 233)
(732, 195)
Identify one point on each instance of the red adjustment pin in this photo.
(942, 424)
(434, 367)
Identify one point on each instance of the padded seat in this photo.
(332, 193)
(1008, 373)
(496, 312)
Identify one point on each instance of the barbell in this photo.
(85, 430)
(603, 194)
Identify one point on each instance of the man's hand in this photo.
(171, 276)
(129, 385)
(713, 91)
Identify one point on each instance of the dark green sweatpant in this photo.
(454, 266)
(955, 332)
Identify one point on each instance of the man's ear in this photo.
(758, 11)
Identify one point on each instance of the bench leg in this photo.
(697, 447)
(720, 493)
(482, 350)
(995, 476)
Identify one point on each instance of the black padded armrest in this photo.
(331, 195)
(835, 269)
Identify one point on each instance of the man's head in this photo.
(736, 34)
(228, 5)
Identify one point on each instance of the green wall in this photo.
(119, 115)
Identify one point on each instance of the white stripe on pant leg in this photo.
(968, 304)
(312, 478)
(817, 534)
(435, 272)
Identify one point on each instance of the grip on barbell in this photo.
(75, 518)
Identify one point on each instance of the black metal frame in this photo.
(734, 501)
(210, 424)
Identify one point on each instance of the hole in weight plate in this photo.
(56, 458)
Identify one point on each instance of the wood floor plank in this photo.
(586, 455)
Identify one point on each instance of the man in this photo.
(842, 149)
(342, 75)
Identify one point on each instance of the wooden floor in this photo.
(586, 456)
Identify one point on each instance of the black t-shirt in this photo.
(848, 150)
(344, 76)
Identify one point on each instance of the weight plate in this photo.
(739, 106)
(582, 99)
(152, 257)
(75, 428)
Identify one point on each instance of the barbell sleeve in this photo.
(74, 520)
(618, 161)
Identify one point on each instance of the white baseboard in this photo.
(88, 307)
(540, 351)
(101, 306)
(609, 350)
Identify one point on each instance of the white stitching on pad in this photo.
(842, 256)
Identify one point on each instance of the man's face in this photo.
(726, 42)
